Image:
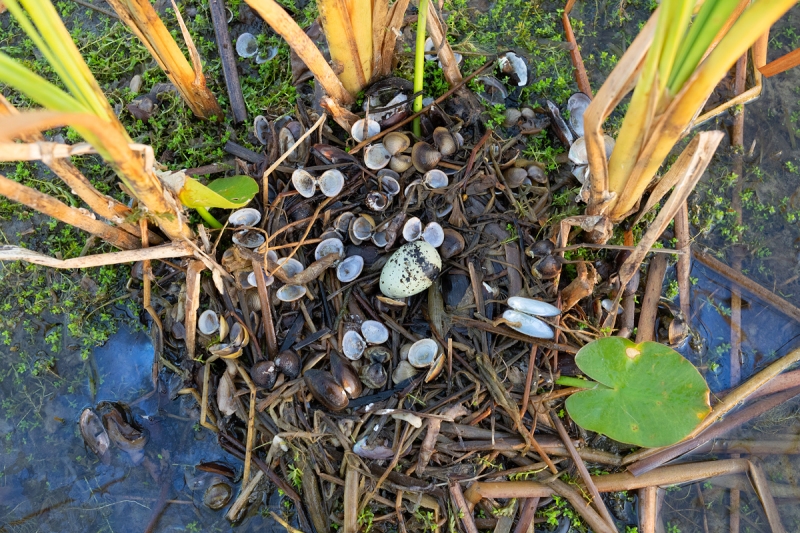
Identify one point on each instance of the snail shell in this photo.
(424, 157)
(373, 376)
(376, 156)
(364, 129)
(396, 142)
(453, 244)
(433, 234)
(349, 269)
(400, 162)
(444, 141)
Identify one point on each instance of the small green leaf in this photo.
(655, 397)
(226, 193)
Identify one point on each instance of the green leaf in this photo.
(654, 396)
(226, 193)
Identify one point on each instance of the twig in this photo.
(164, 251)
(583, 471)
(652, 295)
(219, 19)
(575, 52)
(648, 509)
(684, 266)
(466, 514)
(527, 510)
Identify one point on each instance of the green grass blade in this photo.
(37, 88)
(706, 26)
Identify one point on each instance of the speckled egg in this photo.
(410, 270)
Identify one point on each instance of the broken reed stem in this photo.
(143, 20)
(684, 266)
(652, 295)
(467, 520)
(581, 79)
(69, 215)
(164, 251)
(193, 271)
(648, 509)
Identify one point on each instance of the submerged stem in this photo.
(419, 62)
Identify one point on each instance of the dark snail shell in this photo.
(444, 141)
(289, 363)
(264, 374)
(424, 156)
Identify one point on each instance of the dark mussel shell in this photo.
(288, 362)
(345, 375)
(560, 127)
(325, 390)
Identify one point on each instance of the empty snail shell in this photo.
(452, 245)
(331, 182)
(378, 354)
(433, 234)
(396, 142)
(512, 116)
(435, 179)
(342, 222)
(287, 136)
(373, 376)
(528, 325)
(376, 201)
(361, 229)
(261, 129)
(403, 371)
(435, 369)
(349, 269)
(246, 45)
(245, 217)
(424, 157)
(248, 238)
(364, 129)
(379, 239)
(324, 388)
(291, 266)
(304, 183)
(537, 174)
(444, 141)
(515, 176)
(376, 156)
(374, 332)
(208, 322)
(329, 246)
(290, 293)
(400, 162)
(577, 105)
(423, 353)
(532, 307)
(390, 185)
(412, 229)
(353, 345)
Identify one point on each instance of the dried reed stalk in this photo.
(144, 22)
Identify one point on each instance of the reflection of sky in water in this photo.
(124, 365)
(766, 333)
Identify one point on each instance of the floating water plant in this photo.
(645, 394)
(225, 193)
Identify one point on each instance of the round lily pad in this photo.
(648, 394)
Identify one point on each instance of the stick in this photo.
(749, 285)
(220, 20)
(648, 509)
(684, 265)
(466, 514)
(652, 295)
(527, 510)
(583, 471)
(575, 52)
(165, 251)
(192, 304)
